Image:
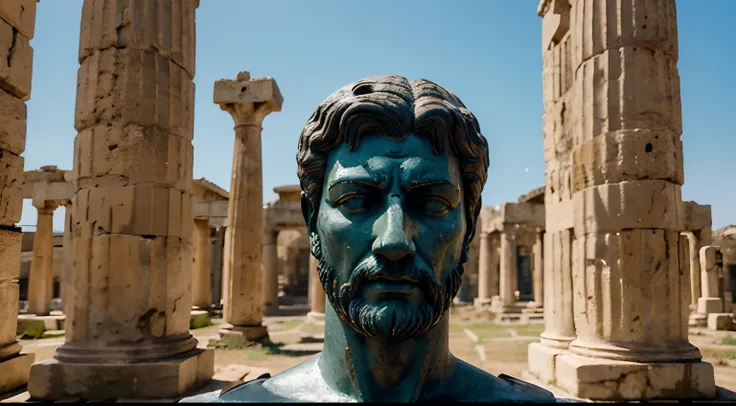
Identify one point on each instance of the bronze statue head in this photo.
(391, 173)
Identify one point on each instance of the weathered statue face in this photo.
(391, 173)
(392, 227)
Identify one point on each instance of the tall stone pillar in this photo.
(217, 280)
(537, 251)
(629, 295)
(485, 271)
(248, 102)
(270, 272)
(314, 326)
(17, 24)
(508, 265)
(40, 279)
(201, 292)
(129, 296)
(68, 250)
(693, 258)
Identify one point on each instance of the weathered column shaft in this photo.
(201, 289)
(217, 265)
(68, 251)
(271, 271)
(40, 279)
(243, 261)
(17, 25)
(627, 98)
(130, 291)
(508, 265)
(484, 268)
(537, 251)
(693, 258)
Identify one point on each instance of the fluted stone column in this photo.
(201, 289)
(508, 265)
(270, 272)
(17, 24)
(129, 296)
(217, 264)
(314, 326)
(631, 301)
(68, 250)
(486, 272)
(40, 279)
(537, 251)
(248, 102)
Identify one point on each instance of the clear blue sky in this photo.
(486, 51)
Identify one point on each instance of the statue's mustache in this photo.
(377, 268)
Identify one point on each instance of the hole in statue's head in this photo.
(362, 89)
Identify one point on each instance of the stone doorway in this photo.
(524, 276)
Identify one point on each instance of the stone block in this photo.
(542, 361)
(199, 319)
(696, 216)
(10, 246)
(603, 102)
(21, 14)
(260, 90)
(12, 123)
(708, 305)
(608, 380)
(129, 154)
(651, 204)
(14, 371)
(628, 155)
(239, 336)
(138, 87)
(16, 61)
(170, 378)
(11, 188)
(141, 210)
(603, 30)
(313, 328)
(9, 297)
(624, 281)
(113, 24)
(721, 321)
(30, 326)
(128, 288)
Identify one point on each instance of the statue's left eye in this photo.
(354, 203)
(435, 206)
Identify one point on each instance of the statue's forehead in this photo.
(379, 153)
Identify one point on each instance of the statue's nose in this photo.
(392, 239)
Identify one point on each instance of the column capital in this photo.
(45, 206)
(248, 101)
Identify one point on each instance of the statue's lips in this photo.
(382, 287)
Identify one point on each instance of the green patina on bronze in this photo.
(391, 174)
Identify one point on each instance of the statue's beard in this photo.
(391, 321)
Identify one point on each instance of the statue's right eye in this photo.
(353, 202)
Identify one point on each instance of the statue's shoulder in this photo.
(475, 384)
(248, 391)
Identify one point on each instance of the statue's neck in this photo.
(373, 371)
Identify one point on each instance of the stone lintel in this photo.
(170, 378)
(215, 209)
(260, 90)
(527, 214)
(696, 216)
(204, 190)
(609, 380)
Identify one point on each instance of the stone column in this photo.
(217, 264)
(537, 251)
(68, 250)
(709, 300)
(508, 265)
(130, 293)
(40, 279)
(248, 102)
(693, 258)
(270, 272)
(17, 24)
(314, 326)
(485, 271)
(201, 292)
(630, 297)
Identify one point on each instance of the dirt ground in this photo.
(504, 346)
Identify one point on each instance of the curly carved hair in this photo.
(394, 106)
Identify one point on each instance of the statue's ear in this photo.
(310, 218)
